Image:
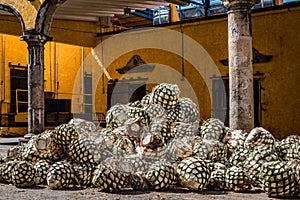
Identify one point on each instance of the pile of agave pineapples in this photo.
(158, 143)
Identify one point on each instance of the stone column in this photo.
(36, 100)
(241, 103)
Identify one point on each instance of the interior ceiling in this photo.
(91, 10)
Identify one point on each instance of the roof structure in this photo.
(91, 10)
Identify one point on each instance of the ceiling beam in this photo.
(91, 10)
(78, 18)
(91, 13)
(117, 3)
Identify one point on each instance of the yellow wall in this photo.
(274, 33)
(14, 51)
(62, 62)
(64, 31)
(277, 34)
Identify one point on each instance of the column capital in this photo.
(232, 4)
(33, 37)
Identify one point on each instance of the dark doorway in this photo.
(138, 93)
(18, 95)
(18, 88)
(125, 91)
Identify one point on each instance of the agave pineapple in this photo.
(278, 180)
(105, 139)
(174, 114)
(238, 157)
(83, 127)
(182, 129)
(166, 95)
(237, 180)
(116, 116)
(65, 134)
(146, 100)
(161, 176)
(107, 179)
(124, 146)
(163, 127)
(30, 153)
(135, 128)
(139, 163)
(210, 149)
(259, 137)
(178, 149)
(255, 160)
(194, 173)
(282, 146)
(41, 170)
(189, 112)
(83, 173)
(154, 111)
(233, 139)
(84, 151)
(6, 170)
(60, 175)
(23, 174)
(15, 152)
(293, 152)
(153, 146)
(139, 182)
(47, 147)
(217, 180)
(212, 129)
(137, 113)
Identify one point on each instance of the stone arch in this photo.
(14, 11)
(27, 9)
(45, 16)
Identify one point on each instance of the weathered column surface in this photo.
(36, 103)
(241, 104)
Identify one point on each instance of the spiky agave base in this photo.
(166, 95)
(161, 176)
(23, 174)
(65, 134)
(84, 151)
(217, 180)
(255, 160)
(193, 173)
(41, 170)
(278, 180)
(6, 170)
(259, 137)
(212, 129)
(60, 175)
(107, 179)
(237, 180)
(83, 174)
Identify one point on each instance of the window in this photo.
(264, 4)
